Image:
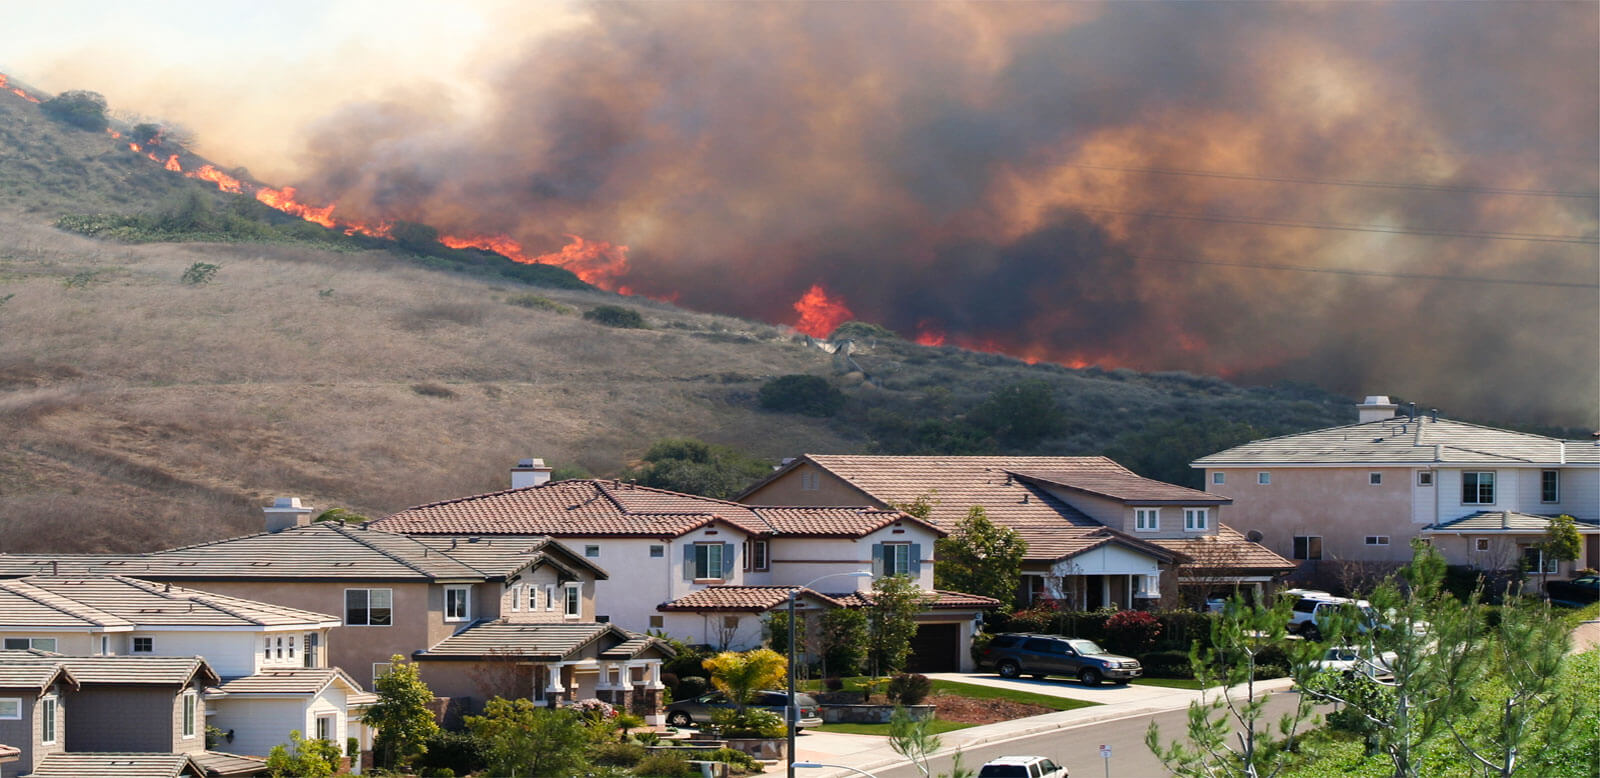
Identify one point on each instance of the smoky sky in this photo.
(1024, 177)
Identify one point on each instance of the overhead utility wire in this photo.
(1339, 182)
(1370, 273)
(1580, 239)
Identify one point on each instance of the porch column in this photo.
(1128, 594)
(1105, 590)
(553, 685)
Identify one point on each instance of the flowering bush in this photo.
(594, 711)
(1132, 632)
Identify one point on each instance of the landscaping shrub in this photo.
(909, 688)
(751, 722)
(738, 760)
(1132, 632)
(689, 687)
(1166, 664)
(617, 754)
(457, 752)
(804, 394)
(616, 316)
(1180, 628)
(664, 764)
(833, 683)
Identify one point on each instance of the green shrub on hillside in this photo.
(80, 108)
(862, 330)
(807, 394)
(538, 303)
(695, 467)
(200, 273)
(616, 316)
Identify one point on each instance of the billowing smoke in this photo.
(1041, 179)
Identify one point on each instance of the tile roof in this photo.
(504, 556)
(1123, 485)
(938, 599)
(1226, 550)
(755, 599)
(19, 670)
(322, 551)
(220, 764)
(1405, 441)
(1505, 521)
(289, 682)
(599, 508)
(122, 602)
(549, 642)
(159, 670)
(9, 752)
(77, 764)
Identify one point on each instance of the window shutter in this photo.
(728, 556)
(877, 560)
(688, 562)
(916, 560)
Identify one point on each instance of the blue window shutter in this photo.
(688, 562)
(728, 556)
(877, 560)
(916, 559)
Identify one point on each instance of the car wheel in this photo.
(1310, 632)
(1089, 676)
(1008, 669)
(678, 718)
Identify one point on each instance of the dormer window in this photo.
(457, 603)
(1147, 519)
(1196, 519)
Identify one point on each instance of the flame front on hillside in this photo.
(5, 83)
(820, 314)
(597, 263)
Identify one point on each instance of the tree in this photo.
(1239, 638)
(980, 557)
(891, 623)
(844, 640)
(521, 738)
(341, 516)
(303, 758)
(741, 674)
(401, 714)
(79, 108)
(912, 738)
(1561, 542)
(616, 316)
(1020, 415)
(804, 394)
(777, 628)
(696, 467)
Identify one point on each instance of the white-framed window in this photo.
(1263, 478)
(312, 644)
(1196, 519)
(1549, 486)
(591, 551)
(1376, 479)
(457, 603)
(379, 670)
(897, 559)
(23, 644)
(657, 552)
(1377, 540)
(47, 720)
(105, 645)
(266, 647)
(549, 597)
(708, 561)
(368, 607)
(1307, 546)
(191, 710)
(328, 729)
(758, 554)
(1477, 488)
(574, 601)
(1535, 559)
(144, 645)
(1481, 544)
(279, 643)
(291, 646)
(516, 598)
(1219, 478)
(1147, 519)
(1424, 478)
(10, 708)
(810, 480)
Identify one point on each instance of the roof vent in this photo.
(1375, 408)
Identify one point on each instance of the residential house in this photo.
(1362, 492)
(32, 714)
(1097, 534)
(664, 548)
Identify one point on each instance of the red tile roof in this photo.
(594, 508)
(757, 599)
(938, 599)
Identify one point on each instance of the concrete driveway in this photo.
(1105, 694)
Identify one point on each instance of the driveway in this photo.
(1105, 694)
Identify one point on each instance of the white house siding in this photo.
(1580, 492)
(707, 629)
(258, 724)
(1109, 559)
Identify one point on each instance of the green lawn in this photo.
(937, 726)
(991, 693)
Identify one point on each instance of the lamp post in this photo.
(793, 712)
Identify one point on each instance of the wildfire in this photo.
(114, 134)
(172, 164)
(134, 147)
(223, 181)
(598, 262)
(5, 83)
(929, 333)
(283, 200)
(820, 314)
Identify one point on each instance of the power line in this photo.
(1340, 181)
(1485, 235)
(1370, 273)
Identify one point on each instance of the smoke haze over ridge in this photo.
(1029, 177)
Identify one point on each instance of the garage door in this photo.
(936, 648)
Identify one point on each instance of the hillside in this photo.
(138, 411)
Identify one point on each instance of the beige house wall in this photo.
(1336, 503)
(788, 489)
(71, 643)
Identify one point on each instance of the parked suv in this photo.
(698, 709)
(1024, 653)
(1022, 767)
(1578, 591)
(1312, 609)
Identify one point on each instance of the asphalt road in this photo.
(1078, 748)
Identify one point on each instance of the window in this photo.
(758, 554)
(280, 647)
(266, 648)
(1376, 479)
(895, 559)
(591, 551)
(326, 730)
(730, 622)
(379, 670)
(1147, 519)
(191, 706)
(1424, 478)
(105, 645)
(658, 622)
(291, 646)
(1477, 488)
(312, 643)
(1481, 544)
(657, 552)
(368, 607)
(1196, 519)
(457, 603)
(574, 603)
(37, 644)
(1533, 558)
(1219, 478)
(1550, 486)
(10, 708)
(516, 598)
(1377, 540)
(144, 645)
(810, 480)
(1308, 547)
(549, 597)
(1263, 478)
(47, 721)
(707, 561)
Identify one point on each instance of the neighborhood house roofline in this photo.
(1111, 536)
(1180, 495)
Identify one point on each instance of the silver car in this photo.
(698, 710)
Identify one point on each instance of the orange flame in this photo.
(223, 181)
(820, 315)
(596, 262)
(929, 333)
(172, 164)
(283, 200)
(134, 146)
(5, 83)
(114, 134)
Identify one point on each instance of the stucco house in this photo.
(663, 548)
(32, 716)
(1361, 492)
(1097, 533)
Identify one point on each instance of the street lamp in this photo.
(794, 711)
(839, 766)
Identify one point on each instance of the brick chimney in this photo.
(286, 512)
(530, 472)
(1375, 408)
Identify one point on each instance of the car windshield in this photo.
(1085, 646)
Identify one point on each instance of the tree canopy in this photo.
(980, 557)
(695, 467)
(401, 714)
